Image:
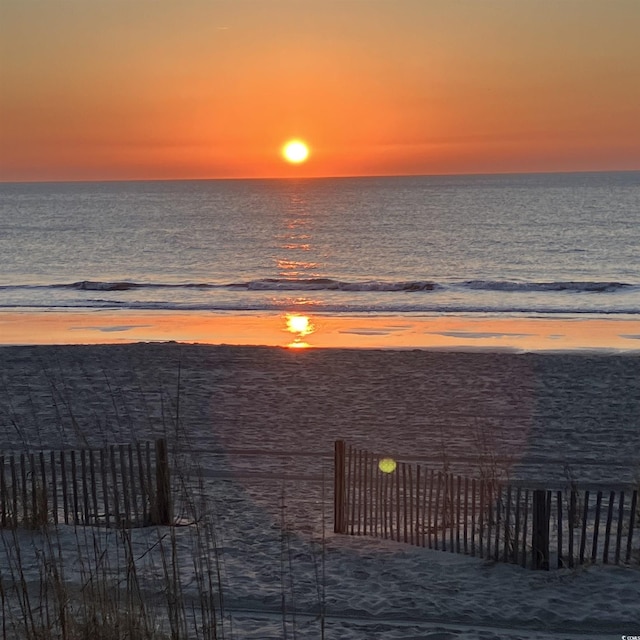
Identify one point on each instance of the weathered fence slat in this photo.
(63, 478)
(105, 487)
(559, 516)
(361, 492)
(3, 495)
(507, 523)
(34, 491)
(473, 517)
(498, 522)
(74, 485)
(391, 504)
(571, 524)
(441, 508)
(594, 547)
(396, 478)
(14, 484)
(525, 528)
(45, 493)
(403, 468)
(25, 500)
(379, 503)
(338, 487)
(632, 519)
(362, 488)
(466, 516)
(516, 534)
(43, 490)
(607, 532)
(94, 491)
(85, 487)
(117, 514)
(387, 505)
(481, 489)
(619, 531)
(451, 511)
(416, 526)
(458, 513)
(583, 533)
(437, 518)
(425, 515)
(489, 518)
(149, 479)
(374, 494)
(54, 486)
(125, 492)
(145, 489)
(430, 512)
(352, 485)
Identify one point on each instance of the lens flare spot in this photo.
(387, 465)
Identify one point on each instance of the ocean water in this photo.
(536, 245)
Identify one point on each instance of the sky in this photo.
(168, 89)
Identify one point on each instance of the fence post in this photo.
(163, 488)
(339, 488)
(540, 534)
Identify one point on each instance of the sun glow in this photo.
(298, 324)
(295, 151)
(301, 326)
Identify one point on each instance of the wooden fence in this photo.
(540, 528)
(120, 485)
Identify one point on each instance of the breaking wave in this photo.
(330, 284)
(331, 295)
(570, 286)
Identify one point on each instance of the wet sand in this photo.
(365, 331)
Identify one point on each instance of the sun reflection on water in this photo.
(301, 326)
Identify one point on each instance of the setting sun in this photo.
(295, 151)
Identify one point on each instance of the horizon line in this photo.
(309, 178)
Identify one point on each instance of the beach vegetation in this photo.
(161, 582)
(78, 581)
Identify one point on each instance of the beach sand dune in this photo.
(259, 424)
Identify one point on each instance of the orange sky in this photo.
(135, 89)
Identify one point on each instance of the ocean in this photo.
(541, 245)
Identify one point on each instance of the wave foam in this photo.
(88, 285)
(330, 284)
(569, 286)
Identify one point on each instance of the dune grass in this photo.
(74, 582)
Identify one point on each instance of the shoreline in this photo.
(362, 331)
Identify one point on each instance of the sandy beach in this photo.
(259, 423)
(575, 409)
